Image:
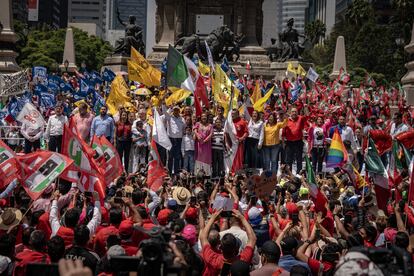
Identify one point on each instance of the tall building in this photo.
(294, 9)
(20, 10)
(323, 10)
(51, 12)
(137, 8)
(88, 15)
(341, 8)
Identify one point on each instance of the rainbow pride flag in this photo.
(337, 155)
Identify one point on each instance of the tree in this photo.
(44, 46)
(315, 30)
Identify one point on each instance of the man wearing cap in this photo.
(269, 256)
(175, 129)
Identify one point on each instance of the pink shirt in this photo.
(83, 125)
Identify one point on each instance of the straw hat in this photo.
(181, 195)
(10, 218)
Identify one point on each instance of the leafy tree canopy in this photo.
(43, 46)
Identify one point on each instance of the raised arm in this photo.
(247, 227)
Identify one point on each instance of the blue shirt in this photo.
(288, 261)
(103, 126)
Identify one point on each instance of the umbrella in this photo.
(142, 92)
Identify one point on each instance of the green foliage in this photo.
(370, 46)
(315, 30)
(44, 47)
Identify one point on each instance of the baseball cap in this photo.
(303, 191)
(172, 204)
(270, 248)
(190, 234)
(191, 213)
(255, 216)
(163, 216)
(126, 228)
(288, 244)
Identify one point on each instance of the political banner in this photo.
(262, 185)
(30, 115)
(312, 75)
(8, 168)
(112, 167)
(38, 170)
(39, 74)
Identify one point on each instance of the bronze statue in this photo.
(221, 41)
(288, 46)
(133, 37)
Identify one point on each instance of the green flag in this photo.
(177, 71)
(310, 178)
(373, 162)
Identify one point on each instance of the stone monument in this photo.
(339, 59)
(408, 79)
(133, 38)
(7, 39)
(68, 62)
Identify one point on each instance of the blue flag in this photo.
(39, 73)
(15, 105)
(47, 100)
(225, 65)
(164, 66)
(295, 92)
(53, 87)
(86, 87)
(40, 88)
(108, 75)
(95, 77)
(55, 79)
(66, 87)
(98, 101)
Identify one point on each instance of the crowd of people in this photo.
(206, 219)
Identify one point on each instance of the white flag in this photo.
(230, 130)
(30, 115)
(193, 74)
(159, 133)
(312, 75)
(209, 56)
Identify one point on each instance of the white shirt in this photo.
(348, 134)
(175, 125)
(145, 126)
(395, 130)
(55, 125)
(187, 143)
(256, 130)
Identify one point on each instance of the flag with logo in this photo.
(257, 93)
(300, 71)
(113, 167)
(39, 74)
(38, 170)
(8, 166)
(344, 77)
(118, 95)
(222, 88)
(108, 75)
(153, 74)
(290, 68)
(259, 105)
(312, 75)
(31, 116)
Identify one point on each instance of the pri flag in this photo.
(31, 116)
(113, 165)
(156, 170)
(8, 168)
(39, 169)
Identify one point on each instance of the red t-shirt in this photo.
(123, 131)
(214, 261)
(130, 248)
(318, 266)
(27, 257)
(294, 129)
(101, 237)
(241, 127)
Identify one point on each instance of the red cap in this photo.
(163, 216)
(105, 214)
(191, 213)
(291, 208)
(126, 228)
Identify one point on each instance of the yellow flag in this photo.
(118, 95)
(290, 68)
(137, 73)
(222, 86)
(152, 76)
(300, 71)
(177, 96)
(204, 69)
(259, 105)
(257, 93)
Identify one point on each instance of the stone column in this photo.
(408, 79)
(166, 14)
(250, 22)
(179, 19)
(68, 61)
(7, 39)
(339, 60)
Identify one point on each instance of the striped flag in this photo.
(337, 154)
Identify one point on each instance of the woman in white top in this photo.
(254, 141)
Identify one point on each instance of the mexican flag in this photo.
(396, 165)
(376, 170)
(343, 76)
(181, 71)
(310, 178)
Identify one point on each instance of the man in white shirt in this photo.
(398, 126)
(347, 134)
(31, 134)
(54, 129)
(175, 129)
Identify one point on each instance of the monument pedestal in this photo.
(7, 39)
(116, 63)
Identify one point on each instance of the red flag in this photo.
(156, 171)
(197, 106)
(200, 92)
(8, 166)
(112, 167)
(382, 140)
(411, 191)
(39, 169)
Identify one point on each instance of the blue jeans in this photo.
(189, 161)
(271, 158)
(174, 156)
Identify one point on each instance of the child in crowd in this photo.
(187, 149)
(217, 145)
(140, 140)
